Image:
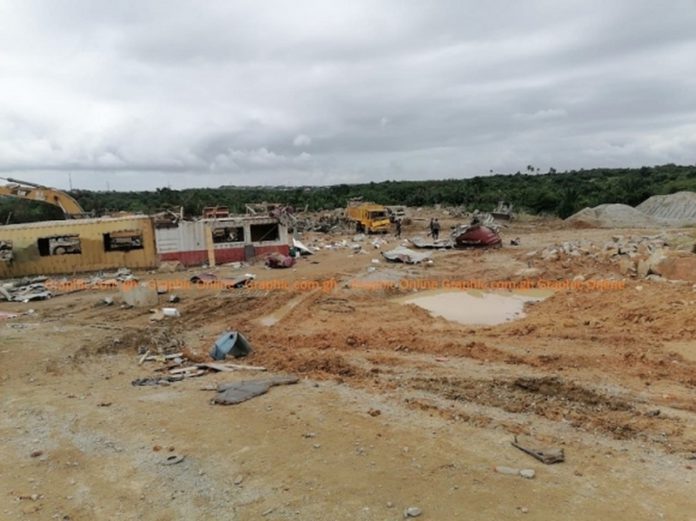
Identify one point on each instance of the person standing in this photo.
(436, 229)
(432, 227)
(398, 228)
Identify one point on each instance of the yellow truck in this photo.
(368, 217)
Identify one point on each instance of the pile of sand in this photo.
(680, 208)
(613, 216)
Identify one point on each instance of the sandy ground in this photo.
(395, 407)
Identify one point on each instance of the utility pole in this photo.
(70, 180)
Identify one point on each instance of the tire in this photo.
(60, 250)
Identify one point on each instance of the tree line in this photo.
(552, 193)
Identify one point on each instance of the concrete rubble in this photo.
(638, 257)
(25, 290)
(326, 222)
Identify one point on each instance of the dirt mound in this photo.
(680, 207)
(307, 362)
(612, 216)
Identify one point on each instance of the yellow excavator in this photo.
(34, 192)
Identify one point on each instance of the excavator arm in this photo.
(34, 192)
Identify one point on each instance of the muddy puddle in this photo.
(476, 307)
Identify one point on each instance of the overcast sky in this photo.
(141, 94)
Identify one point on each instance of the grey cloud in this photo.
(211, 93)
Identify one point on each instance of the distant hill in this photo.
(558, 193)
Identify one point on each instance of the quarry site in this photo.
(343, 374)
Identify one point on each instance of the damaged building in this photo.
(135, 242)
(218, 241)
(70, 246)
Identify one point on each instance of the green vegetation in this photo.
(554, 193)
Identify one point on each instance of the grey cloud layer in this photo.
(142, 94)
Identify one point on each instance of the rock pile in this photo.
(636, 256)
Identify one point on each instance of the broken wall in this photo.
(54, 247)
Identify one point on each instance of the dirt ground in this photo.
(395, 407)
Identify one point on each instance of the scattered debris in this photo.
(156, 316)
(301, 247)
(185, 364)
(171, 312)
(140, 296)
(412, 512)
(210, 279)
(237, 392)
(231, 342)
(25, 290)
(527, 473)
(426, 242)
(32, 497)
(203, 278)
(173, 459)
(230, 367)
(406, 255)
(147, 357)
(278, 260)
(512, 471)
(36, 454)
(546, 456)
(157, 380)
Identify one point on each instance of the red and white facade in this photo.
(230, 239)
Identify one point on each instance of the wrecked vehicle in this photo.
(476, 236)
